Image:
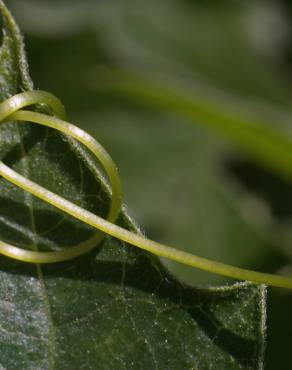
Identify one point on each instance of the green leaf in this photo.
(117, 307)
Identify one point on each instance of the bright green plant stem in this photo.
(11, 109)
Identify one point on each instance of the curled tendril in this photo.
(12, 110)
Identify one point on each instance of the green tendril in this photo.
(12, 110)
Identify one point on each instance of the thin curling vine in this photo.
(12, 110)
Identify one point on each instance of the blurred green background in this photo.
(184, 185)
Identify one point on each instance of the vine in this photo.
(12, 110)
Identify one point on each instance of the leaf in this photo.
(117, 307)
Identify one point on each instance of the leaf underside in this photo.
(117, 307)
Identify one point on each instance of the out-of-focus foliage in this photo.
(222, 206)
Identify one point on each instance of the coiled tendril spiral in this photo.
(12, 110)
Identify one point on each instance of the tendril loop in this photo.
(12, 110)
